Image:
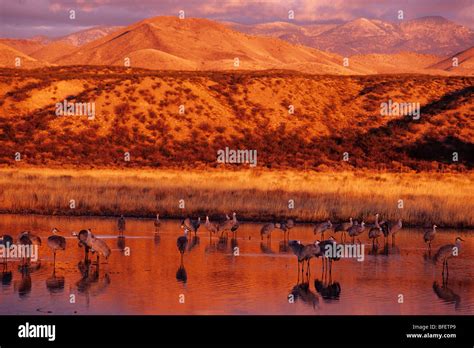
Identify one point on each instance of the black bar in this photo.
(241, 330)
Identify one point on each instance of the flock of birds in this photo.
(57, 242)
(303, 252)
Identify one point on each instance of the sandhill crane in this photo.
(99, 246)
(28, 238)
(389, 227)
(267, 229)
(212, 227)
(328, 252)
(446, 252)
(94, 244)
(121, 225)
(343, 227)
(56, 242)
(322, 227)
(290, 224)
(235, 225)
(374, 234)
(429, 236)
(397, 227)
(226, 226)
(7, 242)
(356, 230)
(376, 223)
(304, 253)
(157, 223)
(286, 226)
(191, 225)
(83, 236)
(182, 242)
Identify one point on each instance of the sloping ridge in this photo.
(202, 44)
(465, 61)
(9, 54)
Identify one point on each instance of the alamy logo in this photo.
(19, 251)
(237, 156)
(37, 331)
(392, 108)
(355, 251)
(76, 109)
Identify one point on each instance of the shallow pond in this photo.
(261, 279)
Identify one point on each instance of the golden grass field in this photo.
(444, 199)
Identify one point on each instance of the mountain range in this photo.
(425, 45)
(427, 35)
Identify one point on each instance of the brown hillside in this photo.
(137, 112)
(53, 51)
(465, 63)
(8, 57)
(399, 63)
(23, 45)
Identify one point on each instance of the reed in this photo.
(255, 194)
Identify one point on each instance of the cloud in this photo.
(20, 17)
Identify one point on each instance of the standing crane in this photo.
(157, 223)
(429, 236)
(446, 252)
(56, 242)
(322, 227)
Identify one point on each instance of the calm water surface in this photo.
(212, 280)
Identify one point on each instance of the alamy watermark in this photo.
(19, 251)
(67, 108)
(237, 156)
(335, 250)
(392, 108)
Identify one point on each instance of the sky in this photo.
(27, 18)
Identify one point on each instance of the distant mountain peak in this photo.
(425, 35)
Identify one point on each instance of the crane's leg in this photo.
(447, 270)
(302, 270)
(298, 272)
